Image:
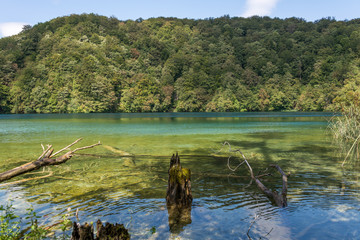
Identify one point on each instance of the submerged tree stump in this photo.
(82, 232)
(178, 195)
(107, 232)
(179, 185)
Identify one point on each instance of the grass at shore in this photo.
(346, 132)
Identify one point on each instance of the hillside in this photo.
(91, 63)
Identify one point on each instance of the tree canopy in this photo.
(91, 63)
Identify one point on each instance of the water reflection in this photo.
(178, 218)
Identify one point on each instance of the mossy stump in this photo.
(82, 232)
(107, 232)
(178, 195)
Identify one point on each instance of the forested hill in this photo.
(91, 63)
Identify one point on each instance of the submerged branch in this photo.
(27, 179)
(279, 199)
(45, 159)
(86, 147)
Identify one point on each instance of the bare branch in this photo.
(66, 148)
(284, 178)
(236, 151)
(251, 171)
(44, 151)
(234, 169)
(280, 200)
(86, 147)
(263, 175)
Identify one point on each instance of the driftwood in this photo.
(45, 159)
(178, 195)
(280, 199)
(103, 232)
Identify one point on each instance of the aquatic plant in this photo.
(346, 133)
(346, 129)
(36, 231)
(9, 223)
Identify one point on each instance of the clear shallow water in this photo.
(323, 199)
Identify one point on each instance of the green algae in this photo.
(178, 174)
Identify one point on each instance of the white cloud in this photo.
(259, 7)
(10, 28)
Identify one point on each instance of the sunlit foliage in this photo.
(89, 63)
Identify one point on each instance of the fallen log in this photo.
(45, 159)
(280, 199)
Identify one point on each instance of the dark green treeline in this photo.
(91, 63)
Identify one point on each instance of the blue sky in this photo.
(15, 13)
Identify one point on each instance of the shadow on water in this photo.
(256, 146)
(314, 149)
(267, 135)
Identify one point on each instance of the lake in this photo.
(323, 198)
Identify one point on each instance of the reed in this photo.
(346, 133)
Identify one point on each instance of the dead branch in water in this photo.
(45, 159)
(279, 199)
(50, 173)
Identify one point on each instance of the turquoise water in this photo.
(102, 183)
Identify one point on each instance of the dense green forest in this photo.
(91, 63)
